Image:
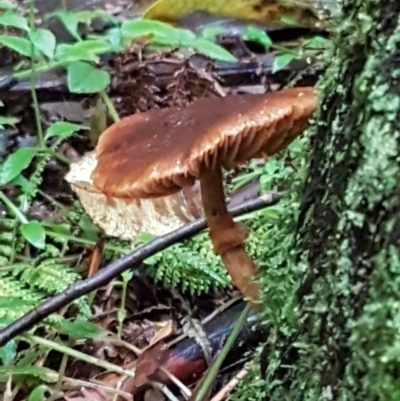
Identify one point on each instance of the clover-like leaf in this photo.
(44, 40)
(82, 77)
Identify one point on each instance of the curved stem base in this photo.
(227, 236)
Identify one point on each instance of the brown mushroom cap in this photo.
(161, 151)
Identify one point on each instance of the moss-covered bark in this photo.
(339, 339)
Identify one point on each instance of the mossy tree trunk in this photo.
(343, 342)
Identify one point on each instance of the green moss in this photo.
(331, 290)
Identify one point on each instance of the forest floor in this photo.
(175, 309)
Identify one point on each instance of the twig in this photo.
(226, 390)
(104, 276)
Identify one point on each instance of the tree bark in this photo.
(341, 340)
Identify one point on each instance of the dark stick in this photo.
(104, 276)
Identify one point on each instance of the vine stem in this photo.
(39, 127)
(18, 214)
(110, 107)
(78, 355)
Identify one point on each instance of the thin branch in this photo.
(113, 270)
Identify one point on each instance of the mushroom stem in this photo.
(227, 236)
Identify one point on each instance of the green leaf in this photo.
(254, 34)
(86, 50)
(69, 21)
(15, 164)
(44, 40)
(84, 78)
(317, 42)
(212, 50)
(95, 46)
(59, 228)
(281, 60)
(63, 129)
(114, 37)
(20, 45)
(6, 5)
(160, 32)
(68, 53)
(89, 230)
(38, 394)
(80, 329)
(8, 352)
(34, 233)
(87, 16)
(8, 121)
(211, 32)
(10, 18)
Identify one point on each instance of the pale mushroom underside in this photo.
(128, 218)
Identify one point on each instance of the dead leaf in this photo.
(149, 362)
(163, 330)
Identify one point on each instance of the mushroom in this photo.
(128, 218)
(159, 152)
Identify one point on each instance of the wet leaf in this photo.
(80, 329)
(63, 129)
(10, 18)
(282, 60)
(15, 164)
(44, 40)
(34, 233)
(20, 45)
(84, 78)
(8, 352)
